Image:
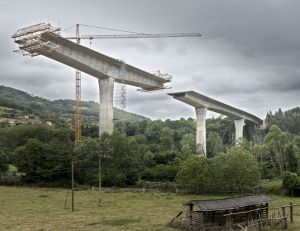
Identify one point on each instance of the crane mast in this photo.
(78, 97)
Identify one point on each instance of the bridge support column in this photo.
(239, 124)
(201, 129)
(106, 114)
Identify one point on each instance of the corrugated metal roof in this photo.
(230, 203)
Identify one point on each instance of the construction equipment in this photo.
(120, 36)
(127, 36)
(29, 39)
(77, 122)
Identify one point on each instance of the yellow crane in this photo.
(120, 36)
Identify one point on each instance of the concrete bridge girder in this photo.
(99, 65)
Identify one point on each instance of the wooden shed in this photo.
(213, 214)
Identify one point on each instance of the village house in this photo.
(13, 122)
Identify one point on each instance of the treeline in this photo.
(124, 162)
(288, 121)
(155, 151)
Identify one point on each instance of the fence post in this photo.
(229, 222)
(291, 211)
(284, 219)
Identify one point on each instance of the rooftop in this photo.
(230, 203)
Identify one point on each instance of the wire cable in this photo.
(104, 28)
(69, 28)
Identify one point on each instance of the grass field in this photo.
(44, 209)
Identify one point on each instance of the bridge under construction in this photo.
(202, 103)
(44, 39)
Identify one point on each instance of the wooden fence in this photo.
(275, 217)
(149, 190)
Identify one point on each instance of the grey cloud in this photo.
(182, 51)
(248, 55)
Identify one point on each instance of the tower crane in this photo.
(119, 36)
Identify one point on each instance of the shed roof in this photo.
(230, 203)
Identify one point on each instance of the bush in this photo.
(10, 179)
(272, 186)
(290, 181)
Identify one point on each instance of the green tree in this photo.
(276, 140)
(3, 162)
(32, 159)
(160, 173)
(262, 155)
(290, 181)
(291, 160)
(153, 130)
(186, 151)
(195, 173)
(189, 139)
(166, 139)
(86, 161)
(238, 168)
(214, 144)
(224, 126)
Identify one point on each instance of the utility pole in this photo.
(72, 186)
(99, 205)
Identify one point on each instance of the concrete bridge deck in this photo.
(198, 100)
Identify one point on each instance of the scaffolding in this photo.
(30, 40)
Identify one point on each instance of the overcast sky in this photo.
(248, 56)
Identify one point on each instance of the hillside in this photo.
(63, 108)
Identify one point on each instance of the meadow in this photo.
(41, 209)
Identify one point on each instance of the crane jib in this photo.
(125, 36)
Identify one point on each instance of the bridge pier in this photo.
(106, 113)
(201, 129)
(239, 124)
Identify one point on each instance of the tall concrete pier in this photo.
(203, 103)
(239, 124)
(201, 128)
(106, 89)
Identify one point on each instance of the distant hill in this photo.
(63, 108)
